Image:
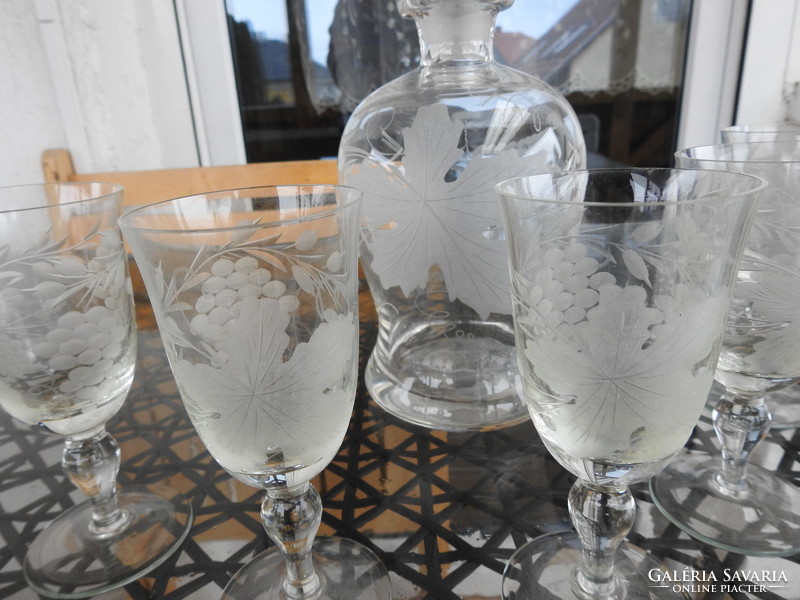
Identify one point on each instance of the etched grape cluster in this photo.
(564, 287)
(229, 282)
(229, 279)
(85, 346)
(72, 317)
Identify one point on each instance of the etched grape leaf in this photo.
(304, 278)
(636, 265)
(625, 369)
(646, 232)
(420, 216)
(257, 392)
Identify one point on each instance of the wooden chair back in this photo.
(146, 187)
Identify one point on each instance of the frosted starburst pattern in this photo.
(420, 214)
(630, 367)
(298, 406)
(261, 338)
(619, 355)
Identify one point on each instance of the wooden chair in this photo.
(146, 187)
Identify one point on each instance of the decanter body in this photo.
(427, 150)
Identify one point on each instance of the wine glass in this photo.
(724, 502)
(255, 295)
(784, 404)
(786, 131)
(621, 281)
(67, 358)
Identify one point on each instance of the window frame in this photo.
(711, 73)
(711, 97)
(205, 41)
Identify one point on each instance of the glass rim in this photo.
(112, 189)
(758, 184)
(789, 144)
(775, 127)
(125, 220)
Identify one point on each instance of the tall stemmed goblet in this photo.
(621, 281)
(67, 358)
(725, 502)
(786, 131)
(255, 295)
(784, 404)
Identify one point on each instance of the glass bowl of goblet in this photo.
(784, 404)
(255, 295)
(724, 500)
(621, 281)
(67, 360)
(785, 131)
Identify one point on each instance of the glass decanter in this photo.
(426, 150)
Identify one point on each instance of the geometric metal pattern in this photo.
(443, 511)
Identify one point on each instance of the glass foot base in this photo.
(765, 522)
(545, 568)
(66, 561)
(347, 570)
(463, 413)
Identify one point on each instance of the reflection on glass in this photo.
(301, 68)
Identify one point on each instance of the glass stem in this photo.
(92, 465)
(291, 517)
(740, 424)
(602, 516)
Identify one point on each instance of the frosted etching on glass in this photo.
(424, 211)
(67, 360)
(743, 507)
(764, 315)
(624, 396)
(621, 280)
(426, 149)
(640, 353)
(252, 396)
(65, 326)
(255, 293)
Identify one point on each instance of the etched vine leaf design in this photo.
(630, 366)
(65, 315)
(91, 266)
(618, 322)
(260, 335)
(208, 293)
(419, 215)
(257, 390)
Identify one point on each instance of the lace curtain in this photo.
(592, 46)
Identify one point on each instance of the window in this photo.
(625, 66)
(287, 98)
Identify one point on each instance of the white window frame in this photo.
(711, 83)
(771, 69)
(205, 40)
(711, 77)
(149, 57)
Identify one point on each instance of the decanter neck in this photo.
(454, 31)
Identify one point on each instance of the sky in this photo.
(531, 17)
